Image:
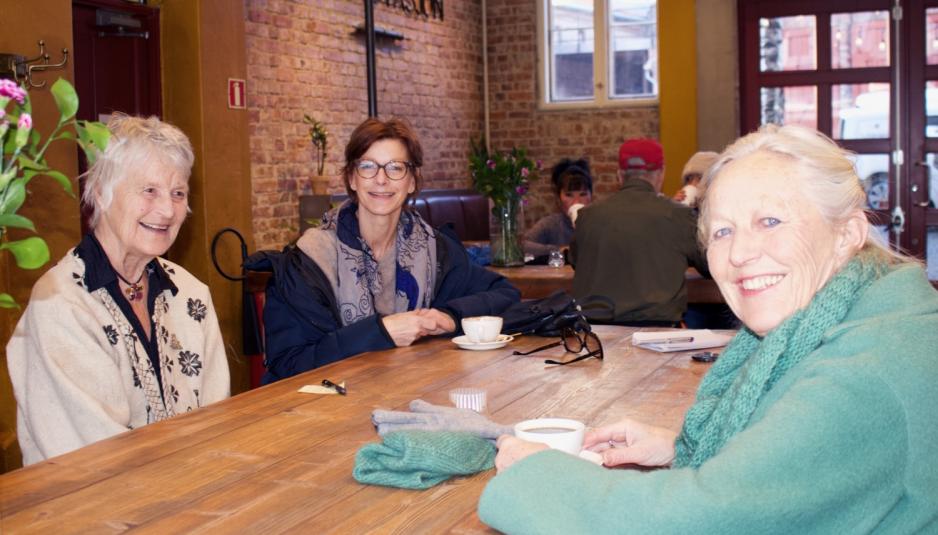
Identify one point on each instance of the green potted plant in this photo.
(319, 137)
(24, 159)
(504, 178)
(312, 207)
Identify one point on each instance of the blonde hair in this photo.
(828, 177)
(136, 143)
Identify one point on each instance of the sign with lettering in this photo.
(424, 8)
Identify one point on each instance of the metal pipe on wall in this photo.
(485, 78)
(370, 58)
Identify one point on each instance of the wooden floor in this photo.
(273, 460)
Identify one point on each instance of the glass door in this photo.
(864, 72)
(922, 18)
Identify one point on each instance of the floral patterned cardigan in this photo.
(80, 374)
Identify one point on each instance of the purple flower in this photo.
(525, 172)
(538, 164)
(491, 164)
(8, 88)
(25, 122)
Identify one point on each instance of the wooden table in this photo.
(540, 281)
(273, 460)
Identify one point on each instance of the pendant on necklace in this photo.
(134, 292)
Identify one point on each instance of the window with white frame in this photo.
(598, 51)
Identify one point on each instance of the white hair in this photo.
(829, 179)
(136, 143)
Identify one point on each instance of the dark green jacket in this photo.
(632, 250)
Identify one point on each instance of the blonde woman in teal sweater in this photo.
(821, 416)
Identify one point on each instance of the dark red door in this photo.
(117, 60)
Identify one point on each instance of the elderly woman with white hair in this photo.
(819, 416)
(114, 337)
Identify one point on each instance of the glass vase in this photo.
(507, 249)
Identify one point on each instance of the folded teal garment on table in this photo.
(422, 459)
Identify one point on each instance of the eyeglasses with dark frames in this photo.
(574, 340)
(394, 170)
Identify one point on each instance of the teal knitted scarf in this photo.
(750, 366)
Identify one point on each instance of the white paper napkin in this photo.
(665, 341)
(319, 389)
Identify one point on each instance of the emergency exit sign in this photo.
(236, 94)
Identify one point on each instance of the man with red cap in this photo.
(631, 250)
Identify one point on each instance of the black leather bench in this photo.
(466, 209)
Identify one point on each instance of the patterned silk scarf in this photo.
(750, 366)
(357, 275)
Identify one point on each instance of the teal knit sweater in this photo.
(845, 442)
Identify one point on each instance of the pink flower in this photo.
(525, 172)
(9, 89)
(3, 113)
(491, 164)
(25, 122)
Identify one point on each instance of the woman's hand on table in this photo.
(444, 322)
(631, 442)
(406, 327)
(512, 449)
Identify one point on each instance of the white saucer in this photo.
(501, 341)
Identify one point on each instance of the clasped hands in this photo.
(625, 442)
(407, 327)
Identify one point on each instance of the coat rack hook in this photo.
(21, 69)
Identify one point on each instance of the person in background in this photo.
(114, 337)
(573, 186)
(375, 275)
(631, 250)
(818, 417)
(691, 176)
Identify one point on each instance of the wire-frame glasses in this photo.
(393, 169)
(574, 339)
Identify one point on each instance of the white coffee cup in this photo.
(482, 329)
(690, 195)
(559, 433)
(574, 211)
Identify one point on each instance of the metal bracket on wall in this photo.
(20, 68)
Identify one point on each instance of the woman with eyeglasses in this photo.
(375, 275)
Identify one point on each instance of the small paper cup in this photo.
(468, 398)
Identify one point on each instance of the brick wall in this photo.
(549, 135)
(304, 58)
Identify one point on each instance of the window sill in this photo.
(595, 105)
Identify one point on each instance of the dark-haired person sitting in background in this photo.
(573, 185)
(375, 275)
